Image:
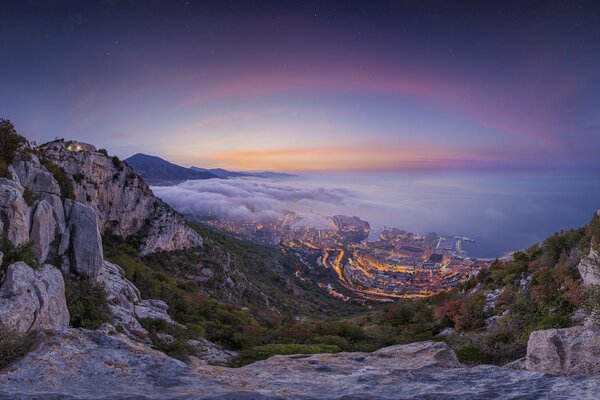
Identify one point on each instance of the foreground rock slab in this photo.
(80, 364)
(568, 351)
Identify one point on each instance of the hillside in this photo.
(155, 170)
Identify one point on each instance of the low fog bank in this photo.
(250, 198)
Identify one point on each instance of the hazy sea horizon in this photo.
(501, 211)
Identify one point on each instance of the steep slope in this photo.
(155, 170)
(125, 205)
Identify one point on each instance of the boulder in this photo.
(86, 257)
(14, 212)
(43, 230)
(568, 351)
(33, 299)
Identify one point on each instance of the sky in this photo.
(310, 85)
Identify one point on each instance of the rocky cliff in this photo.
(124, 204)
(64, 234)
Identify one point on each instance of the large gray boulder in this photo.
(33, 299)
(569, 351)
(86, 243)
(14, 212)
(43, 230)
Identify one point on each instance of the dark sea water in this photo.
(502, 212)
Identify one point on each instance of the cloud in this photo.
(249, 198)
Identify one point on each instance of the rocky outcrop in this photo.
(125, 205)
(211, 353)
(122, 296)
(82, 364)
(33, 299)
(126, 304)
(32, 175)
(86, 243)
(569, 351)
(153, 309)
(14, 212)
(43, 230)
(589, 269)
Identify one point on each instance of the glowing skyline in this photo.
(298, 86)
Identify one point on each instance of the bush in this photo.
(10, 142)
(64, 182)
(471, 354)
(13, 254)
(263, 352)
(13, 345)
(87, 304)
(117, 162)
(104, 152)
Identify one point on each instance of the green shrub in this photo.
(64, 182)
(263, 352)
(87, 304)
(13, 254)
(104, 152)
(471, 354)
(14, 345)
(10, 142)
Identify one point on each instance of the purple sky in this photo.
(301, 85)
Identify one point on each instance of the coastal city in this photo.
(342, 255)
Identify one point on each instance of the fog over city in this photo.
(252, 198)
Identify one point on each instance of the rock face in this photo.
(14, 212)
(33, 300)
(124, 204)
(153, 309)
(32, 175)
(569, 351)
(80, 364)
(211, 353)
(87, 255)
(589, 269)
(122, 297)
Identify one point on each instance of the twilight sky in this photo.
(303, 85)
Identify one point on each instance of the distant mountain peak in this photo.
(156, 170)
